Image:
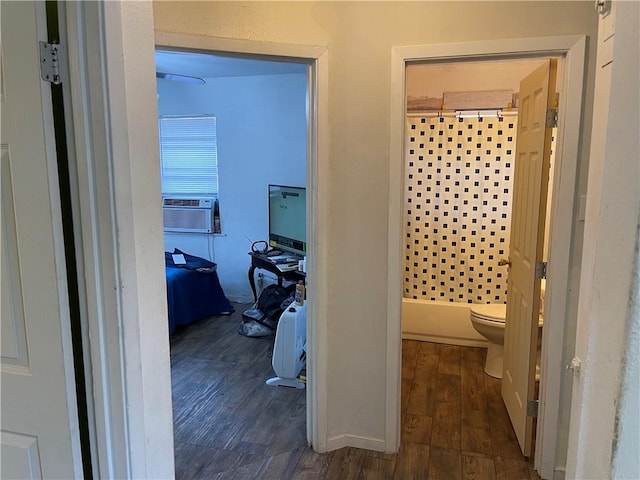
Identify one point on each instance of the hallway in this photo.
(228, 424)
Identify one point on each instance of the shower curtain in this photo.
(458, 182)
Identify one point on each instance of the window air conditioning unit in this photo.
(188, 215)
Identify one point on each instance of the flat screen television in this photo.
(288, 219)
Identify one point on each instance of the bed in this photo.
(193, 290)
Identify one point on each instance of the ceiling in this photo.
(204, 65)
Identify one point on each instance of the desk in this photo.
(260, 260)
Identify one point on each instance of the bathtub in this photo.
(440, 322)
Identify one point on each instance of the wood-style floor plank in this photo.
(448, 389)
(427, 348)
(280, 466)
(195, 462)
(377, 468)
(229, 425)
(503, 439)
(405, 394)
(312, 466)
(511, 469)
(446, 431)
(476, 432)
(478, 468)
(416, 429)
(472, 385)
(412, 462)
(473, 355)
(409, 358)
(289, 435)
(422, 394)
(450, 359)
(445, 464)
(346, 464)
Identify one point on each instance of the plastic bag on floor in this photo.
(251, 328)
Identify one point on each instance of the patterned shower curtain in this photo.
(459, 175)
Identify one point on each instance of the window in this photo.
(188, 155)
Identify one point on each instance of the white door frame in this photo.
(317, 173)
(111, 114)
(572, 48)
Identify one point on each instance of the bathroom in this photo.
(460, 142)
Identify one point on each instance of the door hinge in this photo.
(532, 408)
(552, 118)
(575, 365)
(50, 54)
(541, 269)
(603, 7)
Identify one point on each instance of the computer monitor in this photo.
(288, 219)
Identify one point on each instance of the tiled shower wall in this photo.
(458, 184)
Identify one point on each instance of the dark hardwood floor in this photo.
(228, 424)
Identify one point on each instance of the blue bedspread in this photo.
(193, 291)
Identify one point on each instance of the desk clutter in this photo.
(289, 267)
(287, 263)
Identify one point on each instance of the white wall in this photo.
(359, 36)
(626, 451)
(604, 410)
(429, 80)
(262, 138)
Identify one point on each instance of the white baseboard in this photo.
(463, 342)
(345, 440)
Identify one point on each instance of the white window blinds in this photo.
(188, 155)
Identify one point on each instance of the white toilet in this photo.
(489, 321)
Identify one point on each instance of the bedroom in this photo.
(260, 110)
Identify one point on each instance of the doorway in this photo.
(572, 49)
(459, 186)
(316, 61)
(239, 124)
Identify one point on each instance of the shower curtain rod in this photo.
(465, 114)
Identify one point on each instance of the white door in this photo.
(533, 149)
(39, 436)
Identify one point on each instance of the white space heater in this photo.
(289, 349)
